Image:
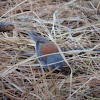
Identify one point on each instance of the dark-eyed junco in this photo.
(44, 47)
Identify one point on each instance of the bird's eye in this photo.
(41, 41)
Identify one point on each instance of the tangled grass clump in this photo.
(70, 24)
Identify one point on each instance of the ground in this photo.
(72, 24)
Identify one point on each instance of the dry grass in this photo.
(69, 24)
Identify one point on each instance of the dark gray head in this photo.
(37, 37)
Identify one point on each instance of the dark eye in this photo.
(40, 41)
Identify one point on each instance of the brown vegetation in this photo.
(68, 23)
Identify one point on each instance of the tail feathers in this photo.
(80, 51)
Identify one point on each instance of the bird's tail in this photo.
(80, 51)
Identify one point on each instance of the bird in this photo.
(51, 58)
